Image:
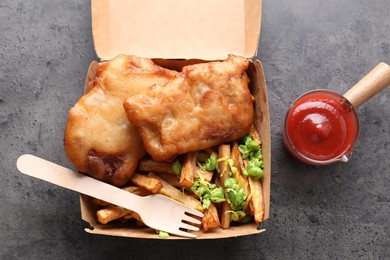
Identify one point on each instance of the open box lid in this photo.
(176, 29)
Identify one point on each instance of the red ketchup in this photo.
(321, 127)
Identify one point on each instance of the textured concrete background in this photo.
(336, 212)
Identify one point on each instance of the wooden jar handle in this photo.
(373, 83)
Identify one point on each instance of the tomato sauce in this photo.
(320, 127)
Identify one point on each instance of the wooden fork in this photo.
(156, 211)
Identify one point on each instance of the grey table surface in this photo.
(341, 211)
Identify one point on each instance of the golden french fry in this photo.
(211, 219)
(191, 194)
(188, 169)
(127, 217)
(226, 217)
(257, 201)
(151, 184)
(137, 190)
(173, 193)
(132, 215)
(135, 216)
(236, 157)
(203, 174)
(148, 165)
(254, 133)
(171, 179)
(223, 172)
(133, 189)
(109, 214)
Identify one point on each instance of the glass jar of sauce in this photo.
(321, 127)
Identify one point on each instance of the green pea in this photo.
(208, 192)
(162, 234)
(195, 186)
(241, 192)
(260, 156)
(246, 139)
(256, 172)
(253, 145)
(245, 155)
(256, 154)
(206, 203)
(237, 215)
(234, 216)
(211, 163)
(261, 164)
(256, 162)
(231, 195)
(239, 198)
(242, 148)
(217, 200)
(216, 194)
(250, 165)
(176, 167)
(202, 190)
(240, 213)
(229, 182)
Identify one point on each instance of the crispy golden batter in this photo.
(99, 140)
(205, 105)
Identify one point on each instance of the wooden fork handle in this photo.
(61, 176)
(373, 83)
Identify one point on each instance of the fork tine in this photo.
(192, 220)
(195, 212)
(192, 211)
(189, 227)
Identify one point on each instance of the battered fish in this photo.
(99, 140)
(205, 105)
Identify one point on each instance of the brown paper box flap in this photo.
(171, 29)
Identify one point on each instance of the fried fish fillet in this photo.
(99, 140)
(205, 105)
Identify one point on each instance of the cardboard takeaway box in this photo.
(175, 34)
